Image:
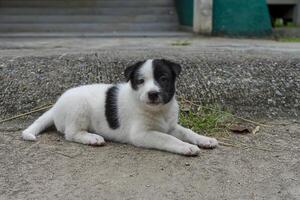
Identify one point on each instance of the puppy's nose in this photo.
(153, 95)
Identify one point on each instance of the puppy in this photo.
(142, 112)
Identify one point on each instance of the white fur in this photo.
(80, 114)
(149, 84)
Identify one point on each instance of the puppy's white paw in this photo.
(191, 150)
(28, 136)
(207, 143)
(96, 140)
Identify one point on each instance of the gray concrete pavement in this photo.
(56, 46)
(265, 167)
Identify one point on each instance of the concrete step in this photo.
(83, 3)
(87, 27)
(246, 77)
(103, 34)
(85, 18)
(153, 10)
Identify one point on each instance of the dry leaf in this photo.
(241, 128)
(186, 107)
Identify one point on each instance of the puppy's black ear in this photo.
(176, 68)
(129, 71)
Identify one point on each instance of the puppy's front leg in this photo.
(162, 141)
(188, 135)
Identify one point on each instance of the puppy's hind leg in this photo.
(77, 126)
(84, 137)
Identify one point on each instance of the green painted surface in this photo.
(185, 11)
(241, 18)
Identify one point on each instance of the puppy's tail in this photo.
(43, 122)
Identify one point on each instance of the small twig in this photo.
(284, 124)
(241, 118)
(27, 113)
(227, 144)
(254, 147)
(240, 145)
(10, 129)
(251, 121)
(257, 148)
(60, 153)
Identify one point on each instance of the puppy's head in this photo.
(153, 81)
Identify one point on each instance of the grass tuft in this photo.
(289, 39)
(208, 120)
(181, 43)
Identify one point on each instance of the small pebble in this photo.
(187, 164)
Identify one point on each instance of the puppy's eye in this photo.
(140, 81)
(163, 79)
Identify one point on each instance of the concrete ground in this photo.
(18, 47)
(252, 77)
(261, 166)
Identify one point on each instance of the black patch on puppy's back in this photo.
(111, 107)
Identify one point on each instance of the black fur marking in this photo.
(165, 73)
(111, 107)
(131, 74)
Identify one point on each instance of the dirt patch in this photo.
(53, 168)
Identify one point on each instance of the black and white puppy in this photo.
(142, 112)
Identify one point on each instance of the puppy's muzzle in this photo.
(153, 96)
